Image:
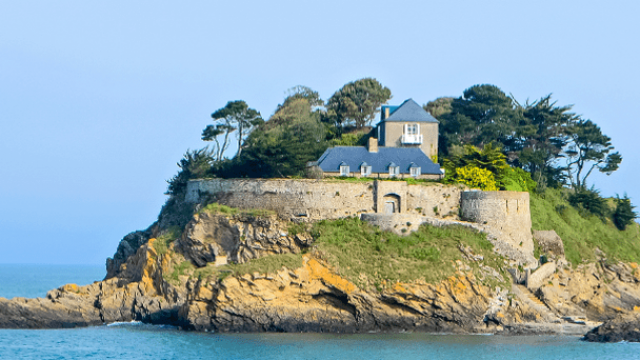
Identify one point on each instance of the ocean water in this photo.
(140, 341)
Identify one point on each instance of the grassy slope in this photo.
(582, 235)
(369, 257)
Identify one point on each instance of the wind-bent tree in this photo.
(540, 136)
(302, 92)
(589, 149)
(357, 102)
(483, 114)
(235, 116)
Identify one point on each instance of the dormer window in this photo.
(365, 169)
(344, 169)
(415, 170)
(394, 170)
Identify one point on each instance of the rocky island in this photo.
(214, 262)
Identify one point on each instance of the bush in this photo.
(623, 214)
(516, 179)
(591, 201)
(475, 177)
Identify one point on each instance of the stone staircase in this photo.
(533, 302)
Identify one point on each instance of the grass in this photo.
(215, 208)
(184, 268)
(268, 264)
(367, 256)
(582, 233)
(162, 243)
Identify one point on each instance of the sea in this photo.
(141, 341)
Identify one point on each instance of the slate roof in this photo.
(410, 111)
(354, 156)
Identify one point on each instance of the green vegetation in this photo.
(357, 102)
(215, 208)
(368, 256)
(162, 243)
(184, 268)
(582, 232)
(623, 214)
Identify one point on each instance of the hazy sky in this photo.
(99, 100)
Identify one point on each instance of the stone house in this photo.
(404, 144)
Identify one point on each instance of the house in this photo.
(405, 144)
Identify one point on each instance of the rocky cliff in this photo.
(240, 272)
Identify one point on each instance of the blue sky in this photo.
(99, 100)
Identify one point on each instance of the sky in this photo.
(99, 100)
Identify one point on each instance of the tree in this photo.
(623, 214)
(235, 116)
(357, 102)
(284, 145)
(540, 137)
(194, 164)
(483, 114)
(589, 149)
(302, 92)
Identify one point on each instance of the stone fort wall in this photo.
(327, 199)
(503, 213)
(506, 212)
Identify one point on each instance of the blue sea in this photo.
(140, 341)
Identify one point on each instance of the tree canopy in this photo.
(235, 116)
(357, 102)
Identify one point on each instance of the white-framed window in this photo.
(365, 170)
(344, 170)
(415, 171)
(394, 170)
(412, 129)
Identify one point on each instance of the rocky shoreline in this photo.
(144, 283)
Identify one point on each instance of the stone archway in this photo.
(391, 203)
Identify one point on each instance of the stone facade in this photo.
(391, 136)
(328, 199)
(507, 212)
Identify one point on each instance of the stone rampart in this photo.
(327, 199)
(503, 215)
(310, 199)
(506, 212)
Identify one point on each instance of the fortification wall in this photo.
(326, 199)
(504, 215)
(311, 199)
(504, 211)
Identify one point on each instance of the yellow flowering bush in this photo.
(477, 178)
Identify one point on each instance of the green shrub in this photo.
(591, 201)
(623, 214)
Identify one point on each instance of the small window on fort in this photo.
(415, 171)
(394, 171)
(344, 170)
(365, 170)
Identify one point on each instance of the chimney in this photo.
(386, 112)
(373, 145)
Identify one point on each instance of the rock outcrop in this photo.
(313, 298)
(622, 328)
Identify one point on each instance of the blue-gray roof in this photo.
(410, 111)
(354, 156)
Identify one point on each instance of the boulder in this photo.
(622, 328)
(549, 241)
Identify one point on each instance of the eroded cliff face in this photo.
(313, 298)
(174, 281)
